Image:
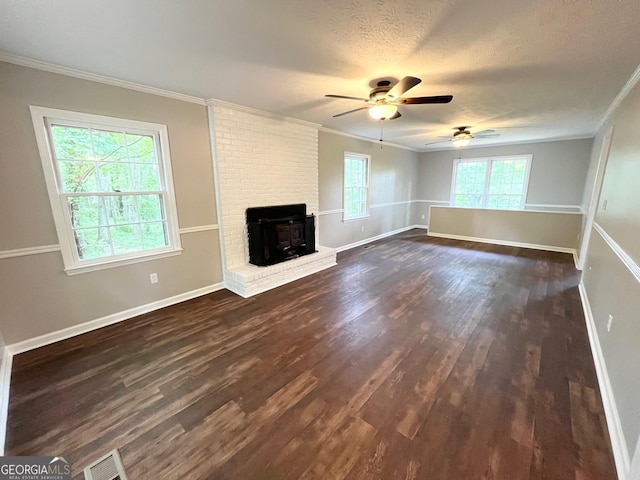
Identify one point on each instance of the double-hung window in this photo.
(497, 182)
(110, 187)
(356, 185)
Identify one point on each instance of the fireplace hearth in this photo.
(279, 233)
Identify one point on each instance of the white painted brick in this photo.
(262, 161)
(248, 280)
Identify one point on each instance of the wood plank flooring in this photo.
(414, 358)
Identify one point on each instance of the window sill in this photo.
(354, 219)
(118, 263)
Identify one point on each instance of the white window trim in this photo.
(73, 265)
(525, 192)
(346, 219)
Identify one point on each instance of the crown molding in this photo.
(635, 76)
(261, 113)
(520, 142)
(106, 80)
(94, 77)
(358, 137)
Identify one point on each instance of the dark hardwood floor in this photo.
(414, 358)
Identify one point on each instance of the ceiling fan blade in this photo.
(487, 135)
(348, 98)
(350, 111)
(441, 141)
(422, 100)
(484, 132)
(397, 115)
(403, 86)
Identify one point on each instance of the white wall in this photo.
(392, 183)
(36, 295)
(404, 184)
(558, 173)
(612, 273)
(556, 231)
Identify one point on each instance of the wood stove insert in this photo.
(279, 233)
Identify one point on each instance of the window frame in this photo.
(42, 118)
(489, 160)
(367, 159)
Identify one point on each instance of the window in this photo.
(110, 188)
(499, 183)
(356, 186)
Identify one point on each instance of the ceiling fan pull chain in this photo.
(381, 123)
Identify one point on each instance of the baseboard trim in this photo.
(5, 386)
(618, 442)
(373, 239)
(65, 333)
(634, 469)
(506, 243)
(575, 260)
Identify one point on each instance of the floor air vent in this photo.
(108, 467)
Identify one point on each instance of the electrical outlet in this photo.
(609, 322)
(362, 228)
(153, 278)
(423, 216)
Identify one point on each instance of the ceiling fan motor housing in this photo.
(461, 131)
(380, 92)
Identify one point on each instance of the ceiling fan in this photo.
(384, 99)
(463, 136)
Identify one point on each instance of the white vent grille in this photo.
(108, 467)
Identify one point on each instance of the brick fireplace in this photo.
(263, 160)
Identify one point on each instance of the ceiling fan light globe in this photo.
(383, 111)
(461, 141)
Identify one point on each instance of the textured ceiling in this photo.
(531, 70)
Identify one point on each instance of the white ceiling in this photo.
(546, 69)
